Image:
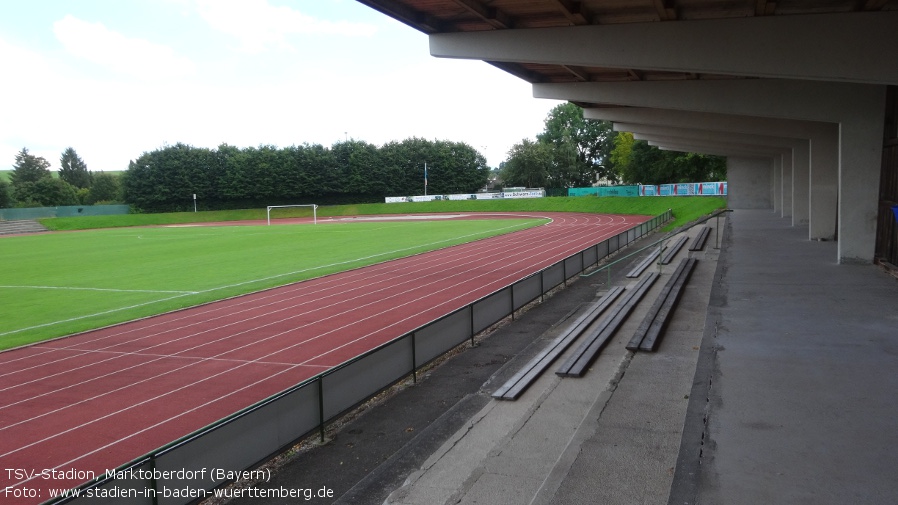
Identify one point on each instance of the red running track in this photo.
(94, 401)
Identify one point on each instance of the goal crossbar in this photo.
(314, 210)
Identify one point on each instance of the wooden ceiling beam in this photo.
(416, 19)
(579, 72)
(869, 5)
(519, 71)
(574, 11)
(635, 75)
(666, 9)
(493, 16)
(765, 7)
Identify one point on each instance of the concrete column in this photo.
(777, 184)
(824, 203)
(850, 105)
(749, 181)
(801, 185)
(753, 179)
(761, 144)
(814, 135)
(860, 162)
(786, 185)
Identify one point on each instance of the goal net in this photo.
(312, 205)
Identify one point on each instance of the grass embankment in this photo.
(685, 209)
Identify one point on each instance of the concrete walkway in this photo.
(803, 400)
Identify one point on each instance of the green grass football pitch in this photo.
(62, 283)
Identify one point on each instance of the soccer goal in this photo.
(312, 205)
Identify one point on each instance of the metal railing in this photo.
(254, 434)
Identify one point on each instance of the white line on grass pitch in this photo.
(73, 319)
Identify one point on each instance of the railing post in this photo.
(717, 233)
(321, 408)
(153, 482)
(414, 358)
(471, 307)
(512, 301)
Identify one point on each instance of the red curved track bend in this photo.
(94, 401)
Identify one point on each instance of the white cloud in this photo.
(260, 26)
(136, 57)
(29, 75)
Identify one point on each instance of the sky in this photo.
(114, 79)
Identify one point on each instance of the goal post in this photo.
(312, 205)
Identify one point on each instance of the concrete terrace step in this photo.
(18, 227)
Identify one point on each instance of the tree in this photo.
(620, 154)
(73, 170)
(167, 179)
(527, 165)
(5, 195)
(28, 168)
(566, 169)
(105, 188)
(405, 162)
(640, 163)
(591, 141)
(454, 167)
(357, 166)
(350, 172)
(46, 192)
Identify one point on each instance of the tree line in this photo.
(570, 152)
(31, 183)
(348, 172)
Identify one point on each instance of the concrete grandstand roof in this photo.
(778, 22)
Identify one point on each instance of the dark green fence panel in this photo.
(67, 211)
